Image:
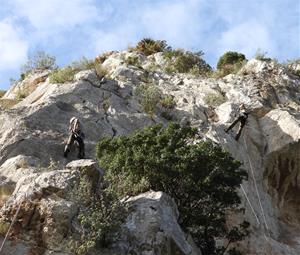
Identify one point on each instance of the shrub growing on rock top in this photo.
(181, 61)
(199, 175)
(67, 73)
(230, 62)
(39, 61)
(149, 46)
(62, 75)
(2, 92)
(261, 55)
(293, 66)
(83, 64)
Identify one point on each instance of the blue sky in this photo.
(70, 29)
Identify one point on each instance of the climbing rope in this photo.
(255, 185)
(11, 224)
(247, 198)
(269, 246)
(242, 188)
(16, 215)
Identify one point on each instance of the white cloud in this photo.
(56, 16)
(117, 39)
(176, 22)
(247, 38)
(13, 49)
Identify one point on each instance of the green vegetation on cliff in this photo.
(199, 175)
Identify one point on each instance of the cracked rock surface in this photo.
(34, 131)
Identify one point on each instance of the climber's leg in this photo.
(68, 145)
(243, 123)
(232, 125)
(80, 147)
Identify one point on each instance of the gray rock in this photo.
(33, 134)
(152, 228)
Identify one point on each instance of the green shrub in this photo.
(8, 103)
(214, 99)
(181, 61)
(133, 61)
(231, 58)
(149, 46)
(106, 104)
(62, 75)
(152, 67)
(100, 216)
(4, 227)
(199, 175)
(292, 65)
(83, 64)
(2, 92)
(21, 94)
(297, 72)
(260, 55)
(230, 62)
(148, 96)
(40, 60)
(66, 74)
(151, 99)
(168, 102)
(23, 76)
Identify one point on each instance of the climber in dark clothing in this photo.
(76, 136)
(243, 116)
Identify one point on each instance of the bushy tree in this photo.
(198, 174)
(230, 62)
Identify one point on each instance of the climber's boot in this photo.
(66, 151)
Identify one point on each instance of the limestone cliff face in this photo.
(33, 133)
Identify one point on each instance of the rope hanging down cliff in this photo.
(11, 224)
(242, 188)
(16, 215)
(255, 185)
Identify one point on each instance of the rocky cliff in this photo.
(33, 133)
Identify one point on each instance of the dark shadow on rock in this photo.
(282, 177)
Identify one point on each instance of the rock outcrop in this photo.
(152, 228)
(33, 133)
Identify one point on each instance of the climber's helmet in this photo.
(242, 106)
(72, 120)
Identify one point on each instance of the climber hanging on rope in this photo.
(242, 118)
(76, 137)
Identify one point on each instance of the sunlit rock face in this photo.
(34, 131)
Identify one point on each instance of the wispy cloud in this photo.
(72, 28)
(56, 16)
(13, 49)
(247, 38)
